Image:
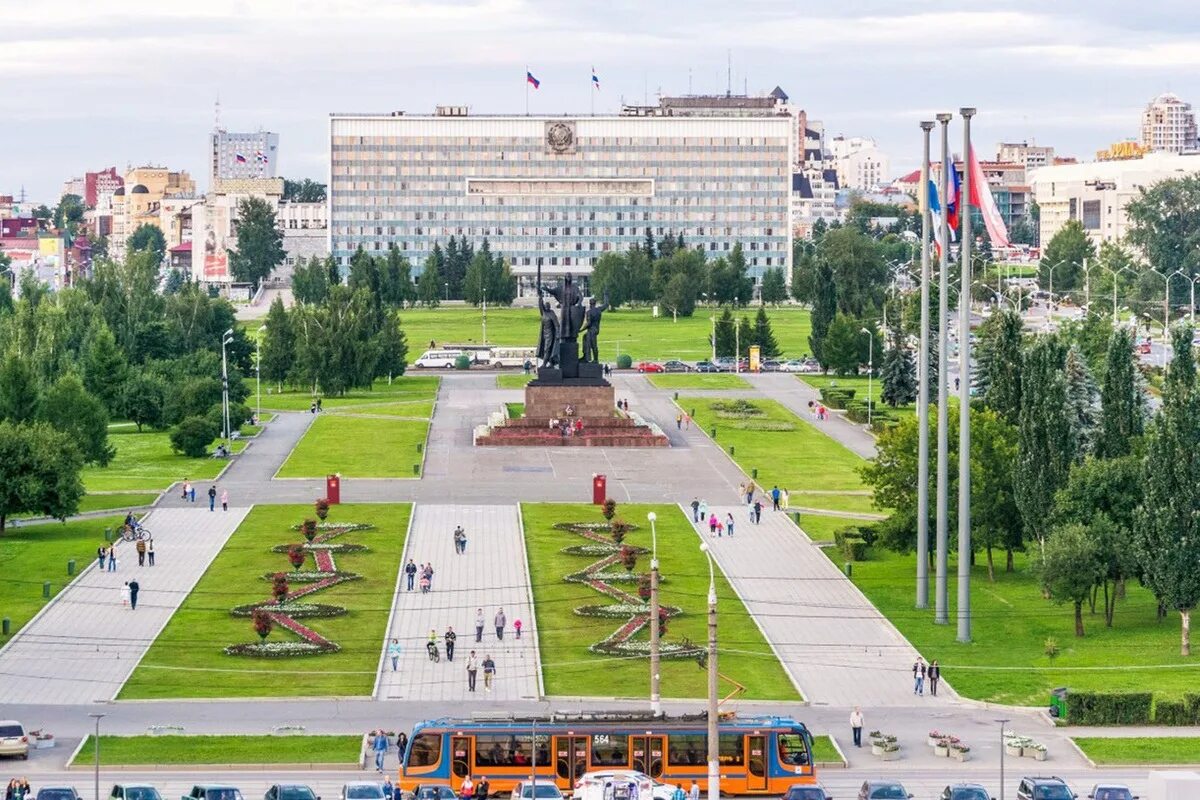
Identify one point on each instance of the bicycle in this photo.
(134, 533)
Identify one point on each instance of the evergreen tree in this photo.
(259, 242)
(648, 246)
(725, 334)
(823, 311)
(19, 394)
(999, 367)
(478, 278)
(1081, 396)
(899, 373)
(104, 367)
(148, 238)
(738, 281)
(278, 345)
(364, 273)
(845, 346)
(333, 272)
(764, 337)
(392, 347)
(1122, 414)
(745, 337)
(774, 286)
(503, 289)
(68, 408)
(429, 284)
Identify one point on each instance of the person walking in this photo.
(679, 422)
(489, 672)
(401, 745)
(429, 574)
(466, 790)
(919, 670)
(712, 525)
(125, 594)
(694, 790)
(500, 621)
(460, 540)
(472, 668)
(935, 675)
(517, 627)
(695, 509)
(141, 552)
(729, 523)
(112, 558)
(483, 789)
(703, 511)
(425, 583)
(394, 653)
(856, 725)
(687, 421)
(410, 572)
(380, 746)
(101, 554)
(134, 588)
(775, 495)
(679, 793)
(224, 499)
(785, 501)
(186, 487)
(150, 550)
(212, 498)
(451, 637)
(757, 512)
(191, 493)
(479, 623)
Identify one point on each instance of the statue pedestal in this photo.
(551, 401)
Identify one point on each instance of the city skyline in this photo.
(132, 83)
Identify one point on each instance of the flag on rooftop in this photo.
(532, 80)
(241, 159)
(595, 80)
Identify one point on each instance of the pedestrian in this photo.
(694, 790)
(489, 672)
(150, 550)
(224, 499)
(134, 588)
(431, 646)
(394, 653)
(125, 593)
(679, 793)
(856, 725)
(741, 491)
(812, 409)
(720, 528)
(679, 422)
(775, 495)
(451, 637)
(472, 668)
(212, 498)
(483, 789)
(401, 745)
(479, 623)
(712, 525)
(919, 670)
(757, 511)
(387, 788)
(500, 621)
(429, 573)
(425, 583)
(687, 421)
(517, 627)
(112, 558)
(186, 486)
(750, 492)
(703, 511)
(729, 523)
(191, 493)
(785, 501)
(410, 572)
(935, 675)
(695, 509)
(141, 552)
(466, 790)
(380, 746)
(460, 540)
(101, 554)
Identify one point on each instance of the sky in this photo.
(86, 84)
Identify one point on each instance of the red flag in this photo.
(981, 198)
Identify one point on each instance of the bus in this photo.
(758, 755)
(511, 356)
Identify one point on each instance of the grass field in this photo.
(121, 751)
(357, 447)
(187, 659)
(824, 751)
(145, 462)
(405, 388)
(833, 501)
(515, 410)
(627, 330)
(31, 554)
(698, 380)
(512, 381)
(820, 528)
(856, 382)
(413, 409)
(1140, 750)
(1006, 661)
(104, 502)
(570, 668)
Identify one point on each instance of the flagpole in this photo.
(923, 387)
(964, 395)
(941, 592)
(592, 93)
(527, 90)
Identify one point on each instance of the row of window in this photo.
(536, 143)
(343, 251)
(541, 232)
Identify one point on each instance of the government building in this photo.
(560, 190)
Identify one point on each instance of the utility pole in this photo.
(964, 396)
(870, 371)
(533, 761)
(485, 315)
(714, 762)
(655, 628)
(96, 767)
(923, 388)
(941, 597)
(1002, 722)
(258, 370)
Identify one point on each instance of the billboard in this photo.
(210, 253)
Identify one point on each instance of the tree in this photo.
(39, 472)
(396, 280)
(763, 336)
(310, 281)
(1065, 255)
(429, 285)
(726, 334)
(858, 269)
(677, 280)
(364, 274)
(844, 348)
(392, 347)
(175, 281)
(104, 366)
(1081, 397)
(1122, 407)
(19, 394)
(744, 338)
(1167, 526)
(610, 278)
(1022, 232)
(143, 400)
(728, 281)
(1071, 566)
(68, 408)
(804, 272)
(68, 215)
(278, 345)
(147, 238)
(193, 435)
(1163, 221)
(899, 373)
(305, 190)
(823, 311)
(999, 357)
(478, 278)
(774, 286)
(259, 242)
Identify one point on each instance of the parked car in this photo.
(1101, 791)
(525, 790)
(799, 792)
(591, 785)
(57, 793)
(290, 791)
(883, 790)
(707, 366)
(437, 359)
(770, 365)
(724, 364)
(649, 366)
(964, 791)
(13, 739)
(1144, 347)
(213, 791)
(362, 790)
(676, 366)
(432, 793)
(1053, 788)
(134, 791)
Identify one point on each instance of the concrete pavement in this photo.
(794, 394)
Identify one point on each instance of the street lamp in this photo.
(96, 768)
(713, 320)
(1115, 273)
(714, 767)
(655, 628)
(226, 340)
(1187, 278)
(485, 315)
(1192, 304)
(737, 343)
(1166, 300)
(447, 284)
(1002, 722)
(870, 370)
(258, 369)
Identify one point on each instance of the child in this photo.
(517, 627)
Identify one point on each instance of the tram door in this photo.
(570, 760)
(756, 777)
(460, 749)
(648, 754)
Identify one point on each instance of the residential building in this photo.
(859, 162)
(73, 186)
(1169, 125)
(140, 202)
(814, 197)
(561, 191)
(241, 155)
(1031, 156)
(1097, 193)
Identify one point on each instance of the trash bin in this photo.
(1058, 703)
(333, 489)
(599, 489)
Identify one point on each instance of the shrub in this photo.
(462, 362)
(192, 436)
(737, 409)
(842, 534)
(1192, 701)
(262, 623)
(855, 549)
(663, 616)
(610, 509)
(1171, 712)
(309, 529)
(619, 528)
(296, 555)
(1050, 648)
(624, 361)
(628, 558)
(857, 412)
(836, 397)
(1104, 708)
(322, 508)
(644, 587)
(239, 415)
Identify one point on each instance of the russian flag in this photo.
(595, 80)
(530, 79)
(981, 198)
(954, 201)
(241, 159)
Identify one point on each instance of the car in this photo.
(649, 366)
(1111, 791)
(432, 793)
(213, 791)
(13, 739)
(793, 365)
(1144, 347)
(437, 359)
(724, 364)
(675, 366)
(526, 790)
(590, 785)
(1052, 788)
(290, 791)
(707, 366)
(964, 791)
(806, 792)
(134, 791)
(883, 790)
(770, 365)
(57, 793)
(363, 790)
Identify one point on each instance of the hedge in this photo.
(835, 397)
(624, 361)
(1171, 712)
(854, 549)
(1103, 708)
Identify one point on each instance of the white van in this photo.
(511, 356)
(433, 359)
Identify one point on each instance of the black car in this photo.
(1101, 791)
(883, 790)
(806, 793)
(965, 791)
(1052, 788)
(676, 366)
(290, 791)
(707, 366)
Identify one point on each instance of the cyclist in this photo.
(131, 524)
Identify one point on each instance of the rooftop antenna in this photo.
(217, 114)
(728, 73)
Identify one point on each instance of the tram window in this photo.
(425, 750)
(502, 750)
(792, 749)
(687, 749)
(609, 750)
(730, 748)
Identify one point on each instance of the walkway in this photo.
(838, 648)
(83, 645)
(492, 574)
(794, 394)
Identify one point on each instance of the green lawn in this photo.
(1006, 661)
(187, 659)
(31, 554)
(104, 502)
(698, 380)
(357, 447)
(513, 381)
(856, 382)
(406, 387)
(832, 501)
(145, 462)
(570, 668)
(1140, 750)
(820, 528)
(147, 750)
(824, 751)
(626, 330)
(414, 409)
(515, 410)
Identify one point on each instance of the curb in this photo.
(1084, 756)
(189, 768)
(845, 763)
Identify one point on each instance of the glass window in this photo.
(425, 750)
(792, 749)
(730, 750)
(687, 749)
(609, 750)
(502, 750)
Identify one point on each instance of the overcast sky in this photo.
(85, 84)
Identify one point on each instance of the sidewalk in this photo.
(491, 574)
(82, 647)
(794, 395)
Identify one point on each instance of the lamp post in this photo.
(1115, 273)
(1087, 286)
(964, 399)
(713, 320)
(655, 628)
(447, 284)
(714, 766)
(1192, 303)
(485, 315)
(870, 371)
(96, 763)
(1187, 278)
(1002, 722)
(737, 343)
(258, 370)
(923, 386)
(225, 342)
(1166, 300)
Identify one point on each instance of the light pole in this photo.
(1115, 273)
(655, 631)
(1166, 300)
(713, 320)
(225, 342)
(923, 388)
(258, 370)
(1002, 722)
(485, 315)
(941, 600)
(96, 767)
(1187, 278)
(964, 398)
(714, 765)
(737, 343)
(870, 371)
(447, 291)
(1192, 304)
(1087, 286)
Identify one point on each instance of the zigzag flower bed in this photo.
(355, 568)
(582, 653)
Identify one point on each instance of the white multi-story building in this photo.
(1096, 193)
(305, 229)
(1169, 125)
(560, 191)
(859, 163)
(241, 155)
(1031, 156)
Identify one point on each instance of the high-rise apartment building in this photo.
(1031, 156)
(859, 163)
(241, 155)
(1169, 125)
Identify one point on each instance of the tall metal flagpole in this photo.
(527, 90)
(964, 395)
(941, 591)
(923, 387)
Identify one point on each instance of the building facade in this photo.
(241, 155)
(214, 220)
(859, 163)
(140, 202)
(1168, 125)
(1031, 156)
(560, 191)
(305, 229)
